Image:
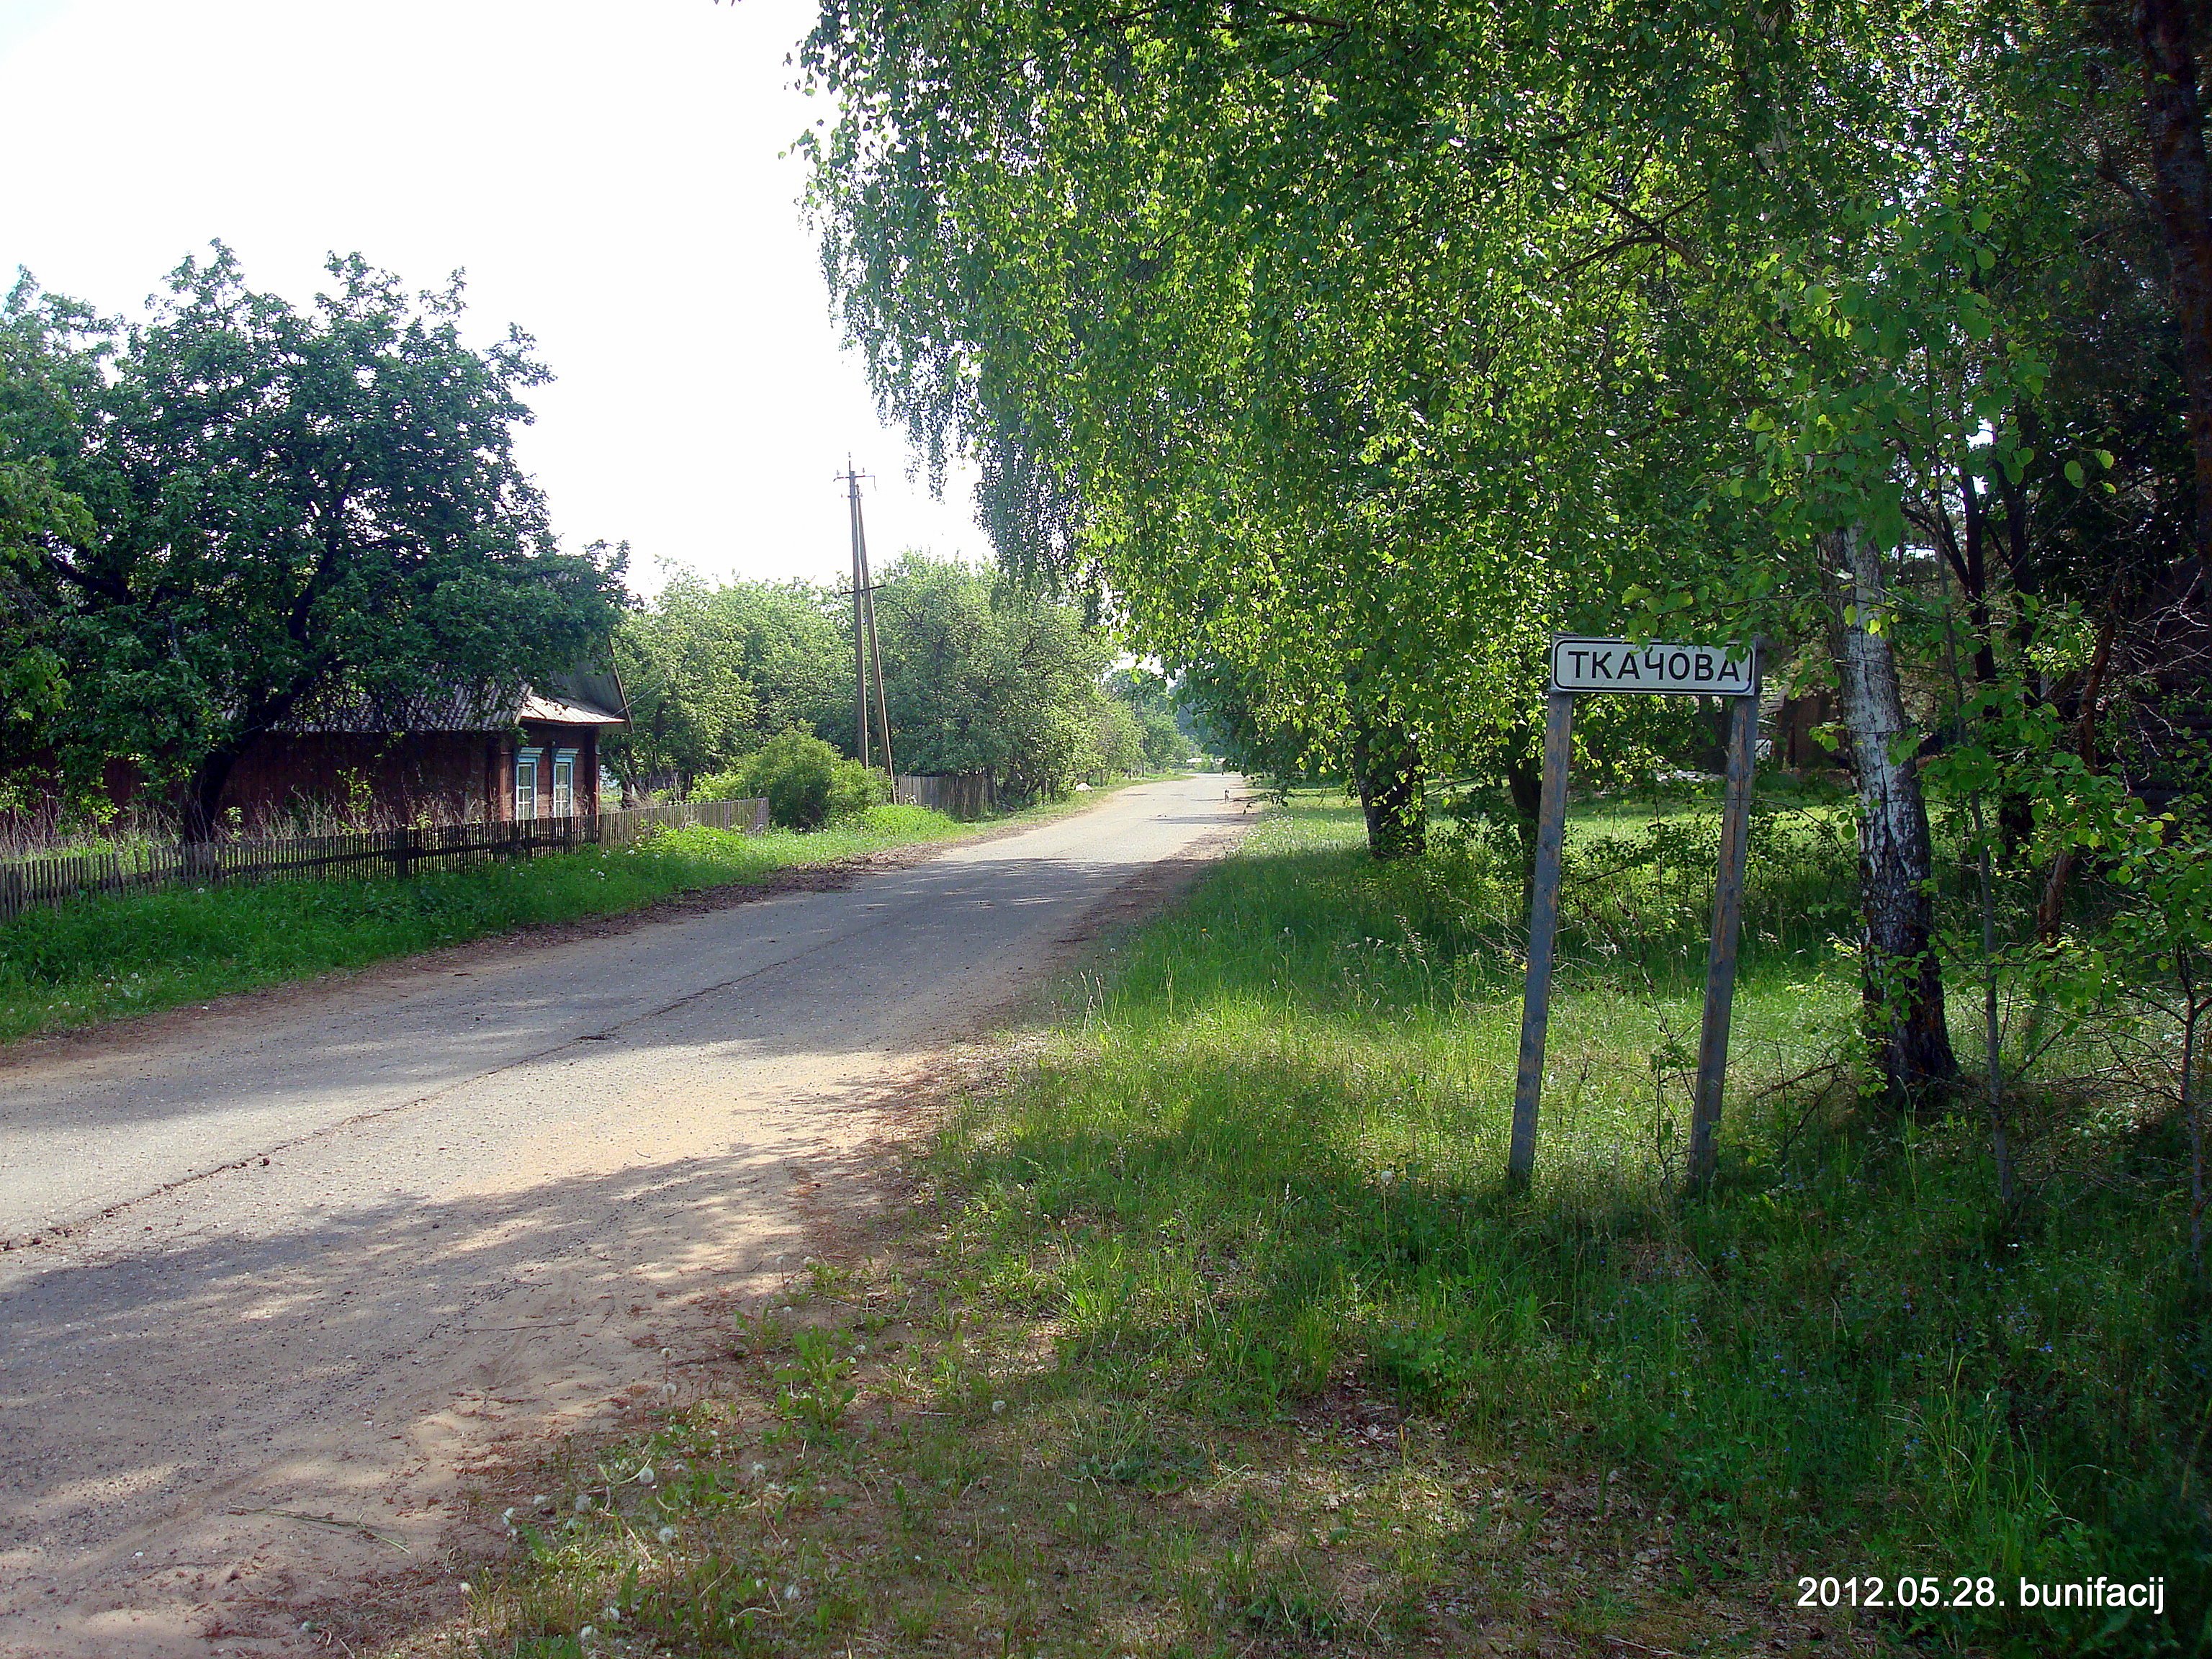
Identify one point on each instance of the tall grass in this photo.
(96, 957)
(1265, 1148)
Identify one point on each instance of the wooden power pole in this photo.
(859, 634)
(867, 644)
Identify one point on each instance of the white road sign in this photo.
(1677, 671)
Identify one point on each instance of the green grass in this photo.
(1246, 1191)
(1269, 1147)
(96, 958)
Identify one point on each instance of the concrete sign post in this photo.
(1581, 667)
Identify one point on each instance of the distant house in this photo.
(454, 758)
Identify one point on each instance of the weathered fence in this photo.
(51, 878)
(962, 795)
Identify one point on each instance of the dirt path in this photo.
(298, 1265)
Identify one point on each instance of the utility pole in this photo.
(875, 652)
(866, 642)
(859, 624)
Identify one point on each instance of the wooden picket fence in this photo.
(964, 795)
(51, 878)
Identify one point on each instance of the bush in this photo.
(805, 783)
(720, 785)
(855, 788)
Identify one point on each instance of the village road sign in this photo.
(1579, 667)
(1674, 670)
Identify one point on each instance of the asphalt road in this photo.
(303, 1262)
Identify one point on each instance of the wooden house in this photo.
(451, 759)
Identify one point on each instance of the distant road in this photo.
(313, 1253)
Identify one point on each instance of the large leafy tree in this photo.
(982, 674)
(1358, 350)
(45, 379)
(683, 674)
(287, 511)
(712, 671)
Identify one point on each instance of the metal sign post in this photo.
(1580, 667)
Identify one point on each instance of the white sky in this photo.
(608, 175)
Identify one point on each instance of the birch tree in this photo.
(1357, 351)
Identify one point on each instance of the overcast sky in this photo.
(608, 175)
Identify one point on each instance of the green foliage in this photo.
(720, 786)
(45, 380)
(855, 788)
(816, 1390)
(1116, 737)
(805, 783)
(1163, 739)
(1323, 424)
(238, 513)
(983, 674)
(713, 671)
(793, 772)
(1357, 352)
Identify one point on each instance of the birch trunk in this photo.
(1386, 767)
(1903, 985)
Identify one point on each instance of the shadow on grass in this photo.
(1348, 935)
(1266, 1152)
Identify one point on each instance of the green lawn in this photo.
(95, 959)
(1245, 1195)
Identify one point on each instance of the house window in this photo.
(525, 783)
(564, 783)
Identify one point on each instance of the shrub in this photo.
(855, 788)
(807, 782)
